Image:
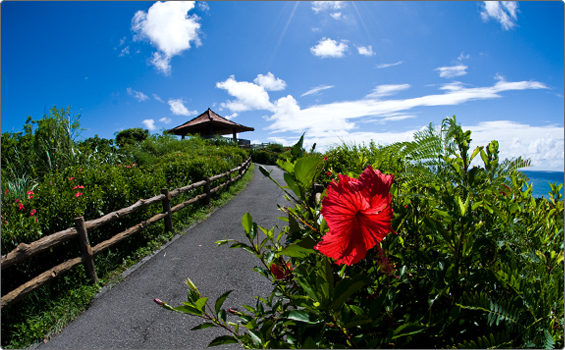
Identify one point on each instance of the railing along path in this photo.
(81, 229)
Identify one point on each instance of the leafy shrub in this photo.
(131, 136)
(473, 262)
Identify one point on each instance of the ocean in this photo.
(541, 180)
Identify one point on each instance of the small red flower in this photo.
(22, 206)
(280, 270)
(71, 178)
(358, 213)
(29, 194)
(127, 166)
(78, 194)
(134, 164)
(6, 192)
(16, 201)
(325, 159)
(33, 211)
(119, 165)
(179, 154)
(329, 173)
(79, 186)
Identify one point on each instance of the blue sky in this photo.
(339, 71)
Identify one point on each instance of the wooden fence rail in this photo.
(81, 229)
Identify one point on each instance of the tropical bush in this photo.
(438, 248)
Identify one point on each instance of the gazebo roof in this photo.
(209, 123)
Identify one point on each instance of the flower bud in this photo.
(158, 302)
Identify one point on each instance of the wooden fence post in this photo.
(207, 190)
(167, 209)
(87, 256)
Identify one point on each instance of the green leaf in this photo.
(475, 152)
(291, 184)
(203, 326)
(224, 339)
(296, 150)
(408, 329)
(186, 309)
(296, 251)
(246, 222)
(255, 338)
(346, 287)
(264, 171)
(261, 271)
(221, 299)
(310, 343)
(222, 315)
(201, 303)
(301, 316)
(305, 170)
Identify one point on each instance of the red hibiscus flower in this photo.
(71, 178)
(358, 213)
(280, 270)
(325, 159)
(22, 207)
(33, 211)
(78, 194)
(79, 186)
(329, 173)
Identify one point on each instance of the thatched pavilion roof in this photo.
(209, 123)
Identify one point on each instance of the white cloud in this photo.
(314, 91)
(140, 96)
(158, 98)
(462, 56)
(318, 6)
(316, 29)
(165, 120)
(231, 116)
(269, 82)
(124, 52)
(203, 6)
(339, 116)
(249, 96)
(387, 90)
(329, 48)
(178, 108)
(386, 65)
(122, 41)
(542, 144)
(336, 15)
(453, 71)
(168, 27)
(365, 51)
(149, 124)
(502, 11)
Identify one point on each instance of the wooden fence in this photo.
(81, 229)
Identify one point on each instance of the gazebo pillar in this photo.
(183, 137)
(234, 135)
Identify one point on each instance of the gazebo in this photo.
(209, 124)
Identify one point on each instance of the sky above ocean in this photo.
(337, 71)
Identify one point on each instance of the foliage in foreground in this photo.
(476, 262)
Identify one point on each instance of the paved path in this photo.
(126, 316)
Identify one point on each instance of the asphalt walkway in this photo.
(125, 316)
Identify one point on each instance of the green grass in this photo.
(46, 311)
